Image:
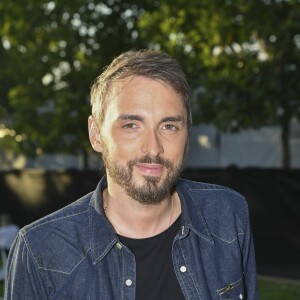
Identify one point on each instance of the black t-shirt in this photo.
(156, 278)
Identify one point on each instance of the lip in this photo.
(150, 169)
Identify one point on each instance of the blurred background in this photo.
(242, 59)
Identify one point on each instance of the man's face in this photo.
(143, 138)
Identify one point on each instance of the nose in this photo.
(152, 144)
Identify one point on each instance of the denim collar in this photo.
(103, 237)
(192, 215)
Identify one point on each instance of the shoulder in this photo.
(221, 207)
(62, 234)
(63, 215)
(201, 192)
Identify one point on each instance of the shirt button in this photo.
(128, 282)
(183, 269)
(241, 296)
(119, 246)
(182, 230)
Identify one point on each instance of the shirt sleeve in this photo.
(249, 264)
(24, 280)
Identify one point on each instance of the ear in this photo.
(94, 134)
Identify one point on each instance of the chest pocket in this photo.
(232, 291)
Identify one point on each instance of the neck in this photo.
(132, 219)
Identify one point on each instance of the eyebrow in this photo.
(124, 117)
(178, 119)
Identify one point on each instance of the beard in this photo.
(154, 189)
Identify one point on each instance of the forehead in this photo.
(142, 93)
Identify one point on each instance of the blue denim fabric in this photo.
(75, 254)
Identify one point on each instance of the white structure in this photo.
(208, 149)
(249, 148)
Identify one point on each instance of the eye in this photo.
(129, 126)
(170, 127)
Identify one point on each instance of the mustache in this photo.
(147, 159)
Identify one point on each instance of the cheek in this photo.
(123, 150)
(176, 151)
(122, 143)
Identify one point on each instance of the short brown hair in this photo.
(155, 65)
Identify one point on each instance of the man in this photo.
(143, 233)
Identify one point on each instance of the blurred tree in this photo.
(50, 53)
(243, 66)
(242, 59)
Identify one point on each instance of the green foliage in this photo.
(272, 289)
(51, 51)
(245, 63)
(242, 58)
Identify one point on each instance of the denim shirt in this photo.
(74, 253)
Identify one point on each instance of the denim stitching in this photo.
(63, 272)
(188, 269)
(92, 245)
(123, 275)
(231, 241)
(207, 237)
(29, 250)
(26, 231)
(105, 251)
(185, 290)
(24, 237)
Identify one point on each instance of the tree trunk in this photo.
(285, 142)
(285, 118)
(218, 144)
